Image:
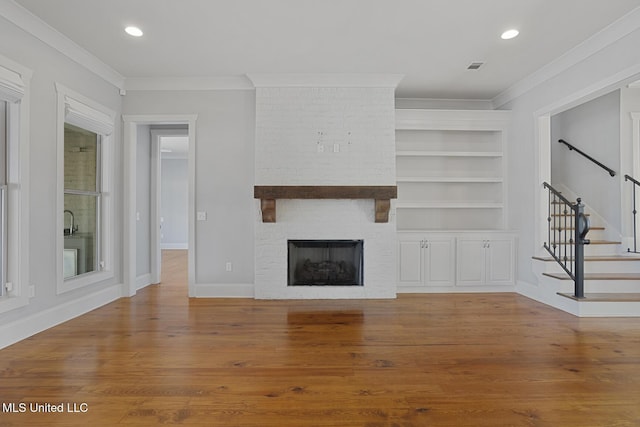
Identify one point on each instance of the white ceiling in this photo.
(431, 42)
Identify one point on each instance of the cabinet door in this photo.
(410, 262)
(471, 262)
(500, 262)
(439, 262)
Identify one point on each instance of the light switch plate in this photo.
(201, 216)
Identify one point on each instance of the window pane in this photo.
(80, 234)
(80, 159)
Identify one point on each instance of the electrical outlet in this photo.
(336, 148)
(228, 266)
(32, 291)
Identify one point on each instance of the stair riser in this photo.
(601, 286)
(593, 234)
(597, 250)
(597, 267)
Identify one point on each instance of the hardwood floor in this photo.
(421, 360)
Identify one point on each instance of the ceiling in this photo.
(430, 42)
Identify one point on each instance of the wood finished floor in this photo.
(421, 360)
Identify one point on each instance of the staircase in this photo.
(611, 278)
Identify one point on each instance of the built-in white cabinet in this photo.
(485, 261)
(455, 262)
(426, 261)
(451, 169)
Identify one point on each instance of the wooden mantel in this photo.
(268, 194)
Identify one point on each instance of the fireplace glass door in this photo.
(325, 263)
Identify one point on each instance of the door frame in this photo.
(542, 119)
(131, 123)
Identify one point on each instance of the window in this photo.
(14, 184)
(3, 197)
(85, 210)
(82, 201)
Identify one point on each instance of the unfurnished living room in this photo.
(320, 213)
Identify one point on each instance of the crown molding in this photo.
(325, 80)
(607, 36)
(33, 25)
(188, 83)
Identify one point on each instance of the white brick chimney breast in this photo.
(325, 130)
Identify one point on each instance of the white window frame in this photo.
(14, 90)
(80, 111)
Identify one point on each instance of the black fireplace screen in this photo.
(325, 263)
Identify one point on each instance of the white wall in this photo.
(224, 179)
(598, 72)
(594, 128)
(143, 201)
(174, 200)
(49, 67)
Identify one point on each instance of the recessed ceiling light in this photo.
(509, 34)
(134, 31)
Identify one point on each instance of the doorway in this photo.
(143, 228)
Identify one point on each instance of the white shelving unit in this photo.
(452, 201)
(451, 169)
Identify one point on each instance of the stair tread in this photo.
(573, 228)
(597, 276)
(595, 258)
(604, 297)
(592, 242)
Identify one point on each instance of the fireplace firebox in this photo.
(325, 263)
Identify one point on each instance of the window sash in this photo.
(4, 166)
(3, 240)
(97, 231)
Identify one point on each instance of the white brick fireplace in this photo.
(328, 130)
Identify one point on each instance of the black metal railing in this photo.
(567, 227)
(634, 184)
(571, 148)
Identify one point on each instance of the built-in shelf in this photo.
(451, 168)
(382, 194)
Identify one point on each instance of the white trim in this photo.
(444, 103)
(221, 290)
(189, 83)
(607, 36)
(15, 331)
(84, 111)
(635, 173)
(85, 117)
(172, 246)
(33, 25)
(18, 191)
(143, 281)
(12, 86)
(325, 80)
(130, 155)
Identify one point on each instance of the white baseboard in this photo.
(143, 281)
(219, 290)
(454, 289)
(174, 246)
(12, 332)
